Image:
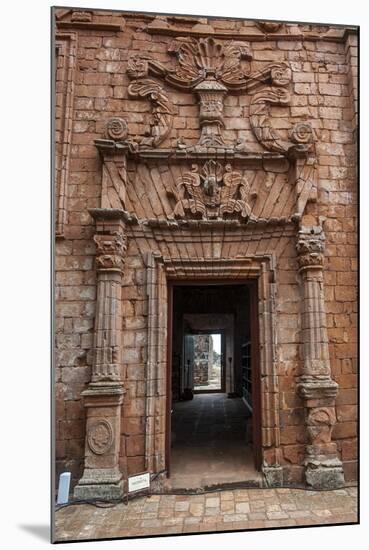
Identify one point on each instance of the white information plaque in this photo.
(139, 482)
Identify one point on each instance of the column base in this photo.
(324, 474)
(99, 484)
(273, 476)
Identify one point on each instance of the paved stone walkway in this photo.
(220, 511)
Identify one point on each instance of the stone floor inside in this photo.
(209, 443)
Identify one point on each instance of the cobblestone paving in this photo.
(220, 511)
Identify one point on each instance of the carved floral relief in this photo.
(211, 69)
(212, 192)
(100, 437)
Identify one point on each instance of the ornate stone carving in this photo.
(310, 247)
(117, 129)
(323, 468)
(100, 437)
(301, 132)
(211, 95)
(212, 193)
(260, 115)
(198, 59)
(319, 425)
(81, 15)
(212, 69)
(162, 111)
(111, 250)
(269, 26)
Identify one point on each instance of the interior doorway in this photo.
(203, 362)
(214, 426)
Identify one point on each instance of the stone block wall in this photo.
(323, 88)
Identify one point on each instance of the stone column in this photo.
(323, 469)
(104, 396)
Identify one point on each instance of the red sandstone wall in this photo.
(324, 93)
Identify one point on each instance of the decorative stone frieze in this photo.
(213, 193)
(212, 69)
(323, 469)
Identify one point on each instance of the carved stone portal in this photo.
(212, 193)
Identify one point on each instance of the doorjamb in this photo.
(172, 271)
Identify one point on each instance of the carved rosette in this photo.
(310, 248)
(212, 193)
(100, 437)
(111, 250)
(117, 129)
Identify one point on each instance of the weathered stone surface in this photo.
(132, 131)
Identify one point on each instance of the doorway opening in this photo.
(203, 362)
(214, 432)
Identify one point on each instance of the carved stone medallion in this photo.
(100, 437)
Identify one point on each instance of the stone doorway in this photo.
(203, 363)
(214, 433)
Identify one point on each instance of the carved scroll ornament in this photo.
(117, 129)
(162, 112)
(211, 193)
(277, 94)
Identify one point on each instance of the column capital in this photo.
(110, 238)
(310, 247)
(111, 250)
